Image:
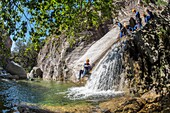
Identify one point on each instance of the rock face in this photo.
(31, 109)
(15, 69)
(147, 59)
(57, 58)
(150, 102)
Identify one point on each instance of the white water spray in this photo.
(105, 79)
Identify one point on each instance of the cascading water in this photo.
(105, 79)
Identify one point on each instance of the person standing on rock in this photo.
(122, 30)
(87, 67)
(137, 17)
(146, 18)
(120, 25)
(150, 14)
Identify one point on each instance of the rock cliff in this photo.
(147, 59)
(11, 67)
(57, 59)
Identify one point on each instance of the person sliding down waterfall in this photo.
(87, 67)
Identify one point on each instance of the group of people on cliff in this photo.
(135, 24)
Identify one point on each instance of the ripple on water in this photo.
(39, 93)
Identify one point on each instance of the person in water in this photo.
(87, 67)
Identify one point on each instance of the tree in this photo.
(26, 53)
(4, 47)
(40, 18)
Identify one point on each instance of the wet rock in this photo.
(150, 108)
(31, 109)
(106, 111)
(133, 105)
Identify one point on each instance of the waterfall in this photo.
(105, 79)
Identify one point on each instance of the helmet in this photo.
(87, 60)
(125, 25)
(143, 14)
(133, 10)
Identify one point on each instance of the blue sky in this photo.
(28, 27)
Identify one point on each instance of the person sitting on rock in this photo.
(150, 14)
(87, 67)
(128, 28)
(146, 18)
(137, 27)
(137, 17)
(123, 31)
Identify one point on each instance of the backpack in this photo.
(132, 22)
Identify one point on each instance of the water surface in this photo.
(39, 92)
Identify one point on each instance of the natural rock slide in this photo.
(97, 50)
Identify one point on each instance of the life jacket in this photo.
(123, 31)
(86, 66)
(147, 18)
(120, 25)
(137, 15)
(129, 28)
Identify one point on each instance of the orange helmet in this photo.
(125, 25)
(87, 60)
(133, 10)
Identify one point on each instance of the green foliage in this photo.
(162, 33)
(4, 51)
(158, 2)
(161, 2)
(41, 18)
(147, 1)
(26, 54)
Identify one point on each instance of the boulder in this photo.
(35, 73)
(38, 72)
(15, 69)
